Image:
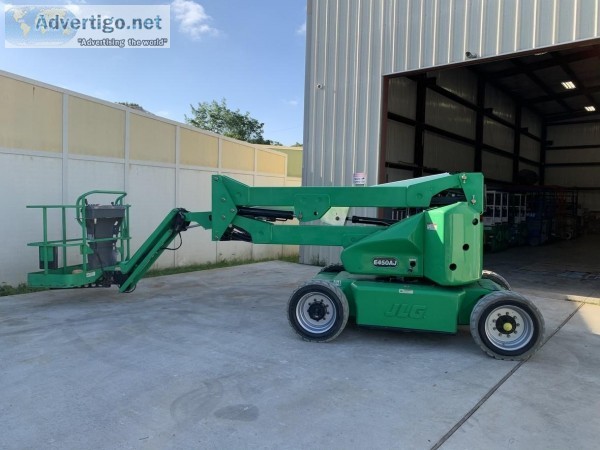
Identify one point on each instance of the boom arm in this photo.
(442, 244)
(416, 247)
(233, 203)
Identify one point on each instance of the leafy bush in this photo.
(7, 289)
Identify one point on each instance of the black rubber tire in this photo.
(327, 296)
(498, 279)
(332, 268)
(498, 305)
(130, 289)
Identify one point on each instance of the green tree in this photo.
(218, 118)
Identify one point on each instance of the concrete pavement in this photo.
(207, 360)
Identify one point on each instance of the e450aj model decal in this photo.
(407, 311)
(385, 262)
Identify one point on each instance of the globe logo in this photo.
(43, 26)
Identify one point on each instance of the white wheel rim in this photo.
(509, 327)
(316, 313)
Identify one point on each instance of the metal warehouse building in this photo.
(404, 88)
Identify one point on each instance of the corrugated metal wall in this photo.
(352, 44)
(563, 136)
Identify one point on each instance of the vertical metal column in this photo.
(517, 141)
(543, 146)
(420, 126)
(382, 176)
(477, 160)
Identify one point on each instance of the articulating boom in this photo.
(441, 244)
(420, 273)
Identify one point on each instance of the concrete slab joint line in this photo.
(578, 298)
(491, 392)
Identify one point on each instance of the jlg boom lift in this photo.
(420, 273)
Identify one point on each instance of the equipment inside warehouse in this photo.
(528, 122)
(519, 216)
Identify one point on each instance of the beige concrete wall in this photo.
(270, 162)
(237, 156)
(96, 129)
(30, 116)
(199, 149)
(161, 164)
(151, 139)
(294, 161)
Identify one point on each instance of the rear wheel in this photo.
(507, 326)
(498, 279)
(318, 311)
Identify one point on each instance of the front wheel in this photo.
(507, 326)
(318, 311)
(496, 278)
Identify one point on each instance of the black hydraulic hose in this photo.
(372, 221)
(271, 214)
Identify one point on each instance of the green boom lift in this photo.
(420, 273)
